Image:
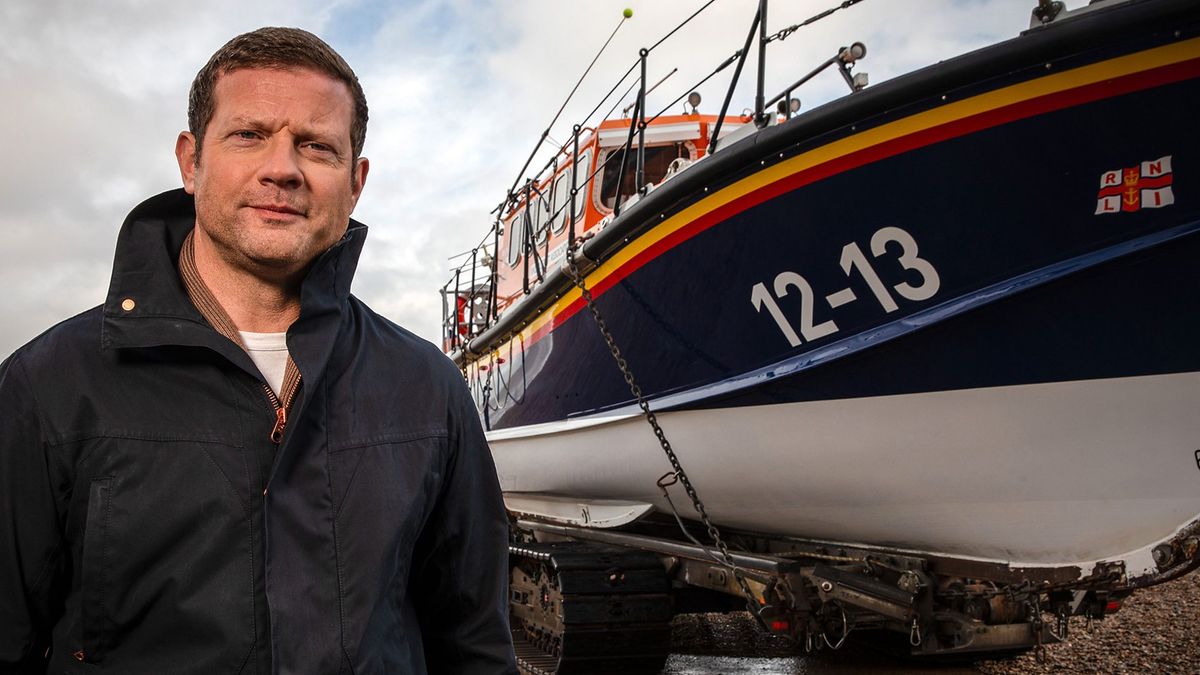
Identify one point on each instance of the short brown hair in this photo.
(273, 47)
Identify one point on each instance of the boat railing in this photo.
(471, 303)
(467, 299)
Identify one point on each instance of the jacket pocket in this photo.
(94, 572)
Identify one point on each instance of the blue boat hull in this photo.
(994, 268)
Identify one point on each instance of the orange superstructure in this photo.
(537, 220)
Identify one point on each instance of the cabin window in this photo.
(581, 178)
(516, 237)
(536, 212)
(658, 158)
(542, 213)
(559, 196)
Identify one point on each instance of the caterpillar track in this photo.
(588, 609)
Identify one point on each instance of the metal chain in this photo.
(753, 604)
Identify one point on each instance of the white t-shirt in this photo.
(269, 352)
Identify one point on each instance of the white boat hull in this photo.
(1067, 473)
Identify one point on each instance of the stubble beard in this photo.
(277, 253)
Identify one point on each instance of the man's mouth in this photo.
(282, 209)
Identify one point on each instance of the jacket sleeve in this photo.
(460, 580)
(30, 536)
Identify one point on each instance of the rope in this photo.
(685, 22)
(564, 104)
(610, 93)
(696, 86)
(783, 34)
(585, 73)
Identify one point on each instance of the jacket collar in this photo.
(210, 308)
(148, 306)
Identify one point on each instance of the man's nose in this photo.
(281, 166)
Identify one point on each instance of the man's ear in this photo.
(185, 154)
(358, 179)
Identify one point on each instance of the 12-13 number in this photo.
(853, 259)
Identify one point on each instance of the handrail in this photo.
(694, 87)
(639, 178)
(715, 136)
(760, 117)
(624, 158)
(574, 183)
(843, 58)
(493, 300)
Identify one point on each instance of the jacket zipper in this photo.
(281, 409)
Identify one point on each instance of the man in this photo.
(234, 465)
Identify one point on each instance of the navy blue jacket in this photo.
(148, 524)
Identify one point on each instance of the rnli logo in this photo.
(1147, 186)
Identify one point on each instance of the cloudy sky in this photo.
(94, 94)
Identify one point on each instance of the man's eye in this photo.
(246, 135)
(319, 147)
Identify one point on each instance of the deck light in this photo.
(789, 107)
(693, 100)
(853, 53)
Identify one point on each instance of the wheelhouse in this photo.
(579, 191)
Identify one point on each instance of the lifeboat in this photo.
(953, 315)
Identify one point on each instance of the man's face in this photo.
(275, 184)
